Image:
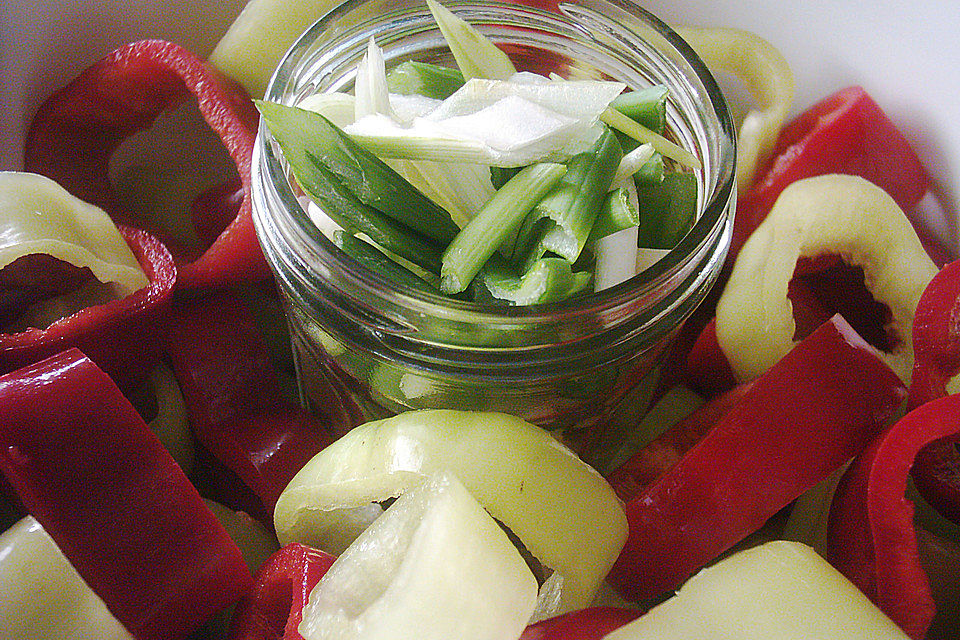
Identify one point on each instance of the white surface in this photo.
(905, 54)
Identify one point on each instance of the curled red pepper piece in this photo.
(936, 335)
(235, 406)
(76, 131)
(586, 624)
(122, 337)
(872, 539)
(707, 369)
(117, 505)
(273, 608)
(845, 133)
(719, 475)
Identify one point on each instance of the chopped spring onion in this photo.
(576, 201)
(647, 106)
(378, 262)
(640, 133)
(618, 212)
(474, 245)
(311, 142)
(548, 280)
(475, 54)
(667, 210)
(420, 78)
(370, 87)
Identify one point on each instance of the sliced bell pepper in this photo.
(123, 337)
(846, 132)
(872, 538)
(76, 131)
(585, 624)
(718, 476)
(235, 406)
(114, 501)
(273, 608)
(829, 215)
(936, 335)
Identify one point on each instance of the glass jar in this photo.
(561, 365)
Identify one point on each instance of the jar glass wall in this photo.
(560, 365)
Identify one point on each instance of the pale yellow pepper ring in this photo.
(562, 510)
(41, 217)
(765, 72)
(827, 215)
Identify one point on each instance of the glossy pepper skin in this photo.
(235, 406)
(936, 335)
(719, 475)
(872, 538)
(846, 132)
(76, 131)
(273, 608)
(120, 509)
(123, 337)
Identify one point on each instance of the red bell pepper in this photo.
(718, 476)
(273, 608)
(586, 624)
(235, 406)
(76, 131)
(116, 504)
(844, 133)
(936, 336)
(122, 337)
(872, 539)
(707, 369)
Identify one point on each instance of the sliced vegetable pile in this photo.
(522, 173)
(137, 374)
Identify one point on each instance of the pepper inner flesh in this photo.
(826, 285)
(31, 280)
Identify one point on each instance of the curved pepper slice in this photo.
(832, 215)
(41, 595)
(719, 475)
(768, 76)
(234, 403)
(557, 506)
(936, 339)
(872, 537)
(76, 131)
(585, 624)
(114, 501)
(123, 337)
(847, 133)
(273, 608)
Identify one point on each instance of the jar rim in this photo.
(715, 215)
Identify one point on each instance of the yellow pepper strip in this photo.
(776, 590)
(435, 566)
(160, 402)
(766, 74)
(42, 596)
(254, 44)
(562, 510)
(827, 215)
(40, 217)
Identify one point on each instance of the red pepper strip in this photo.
(102, 485)
(273, 608)
(936, 335)
(872, 539)
(234, 402)
(707, 369)
(844, 133)
(586, 624)
(76, 131)
(213, 210)
(775, 438)
(122, 337)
